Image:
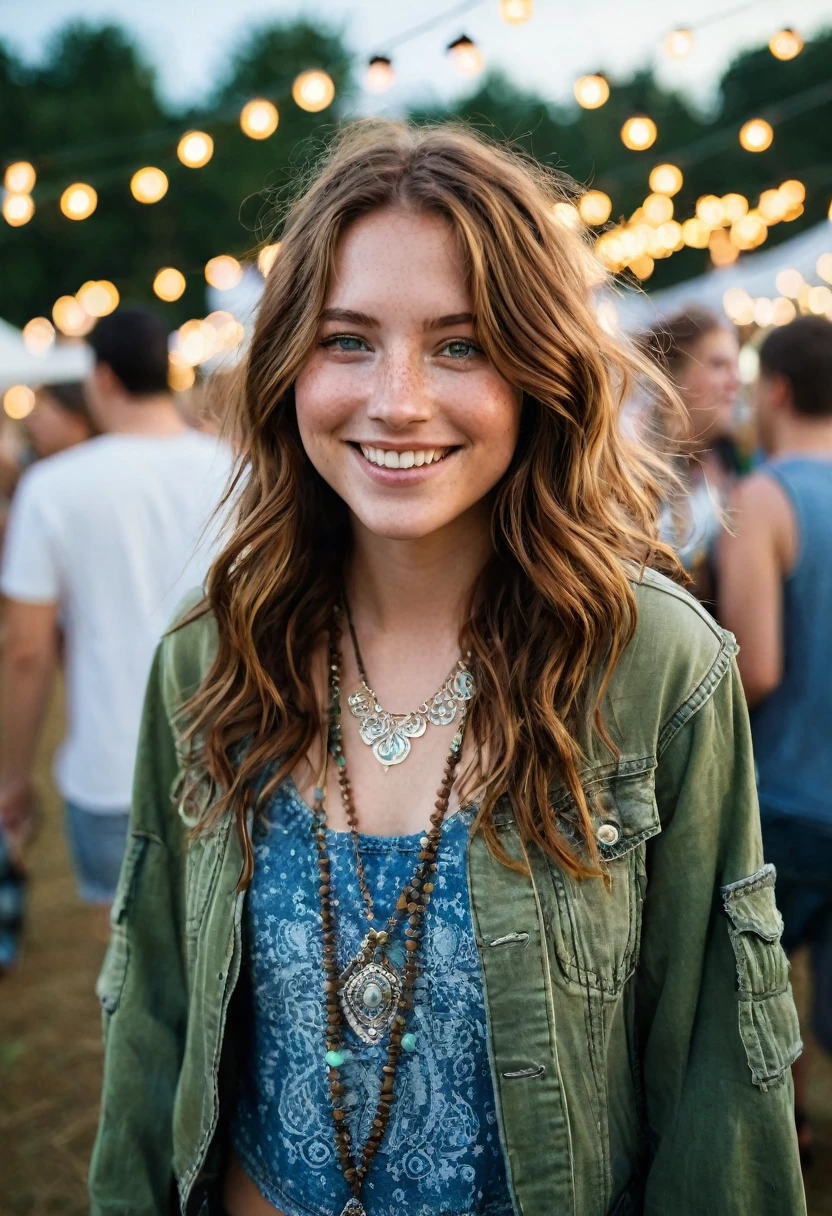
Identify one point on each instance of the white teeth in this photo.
(388, 459)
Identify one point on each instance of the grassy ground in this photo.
(50, 1047)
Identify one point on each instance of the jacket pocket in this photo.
(767, 1016)
(596, 925)
(113, 973)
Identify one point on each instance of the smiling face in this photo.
(398, 408)
(709, 380)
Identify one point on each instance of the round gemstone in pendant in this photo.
(372, 995)
(369, 996)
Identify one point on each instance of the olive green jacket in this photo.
(640, 1029)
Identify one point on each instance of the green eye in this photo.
(460, 349)
(345, 342)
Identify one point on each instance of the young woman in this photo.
(699, 350)
(445, 892)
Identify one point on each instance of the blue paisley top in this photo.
(441, 1154)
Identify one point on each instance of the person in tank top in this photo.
(776, 580)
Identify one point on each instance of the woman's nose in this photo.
(401, 395)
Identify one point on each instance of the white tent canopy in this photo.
(756, 273)
(71, 361)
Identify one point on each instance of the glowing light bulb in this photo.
(789, 283)
(763, 311)
(591, 91)
(380, 75)
(678, 44)
(696, 233)
(195, 149)
(180, 377)
(666, 179)
(98, 298)
(18, 401)
(38, 335)
(738, 305)
(709, 210)
(567, 215)
(772, 206)
(785, 44)
(793, 191)
(169, 283)
(782, 311)
(824, 267)
(148, 185)
(18, 209)
(756, 135)
(515, 12)
(750, 231)
(78, 201)
(723, 252)
(642, 266)
(734, 206)
(658, 208)
(819, 300)
(466, 55)
(223, 272)
(259, 119)
(638, 133)
(266, 258)
(20, 177)
(70, 318)
(595, 207)
(313, 91)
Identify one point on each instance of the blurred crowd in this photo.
(110, 494)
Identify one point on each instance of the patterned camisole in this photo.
(441, 1154)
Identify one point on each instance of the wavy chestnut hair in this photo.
(553, 610)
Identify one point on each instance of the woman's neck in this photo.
(418, 586)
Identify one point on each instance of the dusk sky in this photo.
(188, 41)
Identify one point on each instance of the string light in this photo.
(793, 191)
(824, 267)
(195, 149)
(785, 44)
(18, 401)
(696, 233)
(169, 284)
(98, 298)
(789, 283)
(666, 179)
(749, 232)
(223, 272)
(78, 201)
(466, 55)
(70, 318)
(259, 119)
(595, 207)
(266, 258)
(642, 266)
(722, 250)
(379, 75)
(638, 133)
(18, 209)
(591, 92)
(180, 378)
(38, 335)
(20, 177)
(313, 91)
(782, 311)
(756, 135)
(515, 12)
(709, 210)
(148, 185)
(658, 209)
(738, 306)
(678, 44)
(772, 206)
(734, 206)
(567, 215)
(820, 300)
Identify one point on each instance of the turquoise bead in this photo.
(334, 1059)
(409, 1042)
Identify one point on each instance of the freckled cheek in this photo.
(326, 399)
(489, 415)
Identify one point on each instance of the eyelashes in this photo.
(459, 349)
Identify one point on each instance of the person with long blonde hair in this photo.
(444, 892)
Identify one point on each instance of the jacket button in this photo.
(607, 834)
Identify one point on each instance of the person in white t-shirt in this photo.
(103, 541)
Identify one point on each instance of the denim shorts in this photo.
(801, 851)
(97, 840)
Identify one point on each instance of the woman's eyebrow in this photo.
(350, 316)
(453, 318)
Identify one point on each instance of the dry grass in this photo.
(50, 1048)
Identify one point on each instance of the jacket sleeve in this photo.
(717, 1024)
(142, 988)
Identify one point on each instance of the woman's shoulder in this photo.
(675, 660)
(188, 648)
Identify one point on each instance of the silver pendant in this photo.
(354, 1208)
(389, 734)
(369, 994)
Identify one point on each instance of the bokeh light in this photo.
(181, 377)
(148, 185)
(666, 179)
(18, 209)
(789, 282)
(313, 91)
(169, 284)
(18, 401)
(591, 91)
(782, 311)
(380, 74)
(266, 258)
(515, 12)
(785, 44)
(195, 149)
(38, 335)
(98, 297)
(678, 44)
(824, 267)
(709, 210)
(638, 133)
(567, 215)
(658, 208)
(78, 201)
(595, 207)
(696, 233)
(259, 119)
(756, 135)
(734, 206)
(20, 177)
(738, 305)
(223, 272)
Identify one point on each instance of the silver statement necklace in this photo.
(389, 734)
